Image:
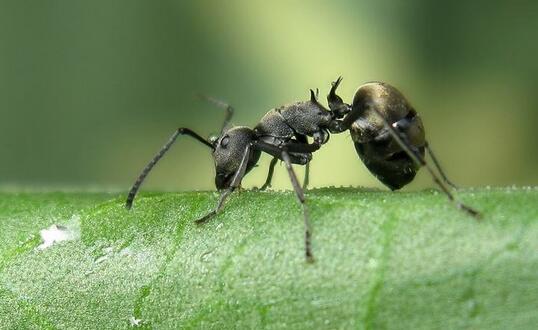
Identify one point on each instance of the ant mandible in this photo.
(387, 132)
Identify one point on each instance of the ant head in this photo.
(228, 152)
(338, 108)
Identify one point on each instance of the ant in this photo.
(387, 132)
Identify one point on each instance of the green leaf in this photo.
(383, 260)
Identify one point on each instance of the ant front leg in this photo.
(236, 181)
(180, 131)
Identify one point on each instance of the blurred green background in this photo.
(90, 90)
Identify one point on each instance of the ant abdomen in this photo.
(379, 151)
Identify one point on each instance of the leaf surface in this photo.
(383, 260)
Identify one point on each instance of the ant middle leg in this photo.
(270, 174)
(298, 149)
(306, 179)
(304, 140)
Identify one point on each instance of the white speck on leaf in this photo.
(52, 235)
(101, 259)
(134, 321)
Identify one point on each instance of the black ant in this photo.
(387, 132)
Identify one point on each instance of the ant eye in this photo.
(224, 141)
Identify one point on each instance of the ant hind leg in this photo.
(420, 161)
(300, 196)
(438, 166)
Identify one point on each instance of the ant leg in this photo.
(420, 161)
(270, 174)
(156, 158)
(219, 206)
(223, 105)
(438, 166)
(306, 176)
(303, 140)
(300, 196)
(236, 181)
(299, 153)
(283, 153)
